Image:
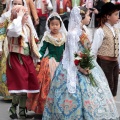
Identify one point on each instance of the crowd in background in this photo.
(37, 45)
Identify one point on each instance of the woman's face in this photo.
(55, 26)
(17, 2)
(25, 18)
(86, 20)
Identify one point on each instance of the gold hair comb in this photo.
(81, 11)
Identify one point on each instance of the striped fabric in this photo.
(14, 44)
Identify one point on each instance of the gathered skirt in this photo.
(88, 103)
(21, 77)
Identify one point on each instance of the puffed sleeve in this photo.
(97, 41)
(15, 28)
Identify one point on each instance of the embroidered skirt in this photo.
(36, 102)
(87, 103)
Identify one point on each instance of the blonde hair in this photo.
(83, 11)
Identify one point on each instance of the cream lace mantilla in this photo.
(55, 41)
(71, 47)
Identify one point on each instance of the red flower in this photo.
(76, 62)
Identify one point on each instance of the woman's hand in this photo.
(37, 68)
(84, 71)
(95, 11)
(37, 21)
(21, 13)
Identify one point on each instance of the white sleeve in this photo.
(6, 15)
(15, 28)
(97, 41)
(49, 7)
(118, 27)
(1, 45)
(119, 49)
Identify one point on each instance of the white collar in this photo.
(111, 27)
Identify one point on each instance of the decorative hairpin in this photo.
(81, 11)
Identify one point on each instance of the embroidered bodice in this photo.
(55, 47)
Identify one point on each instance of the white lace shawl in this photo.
(71, 46)
(62, 29)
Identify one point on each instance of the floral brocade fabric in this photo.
(3, 86)
(3, 83)
(88, 103)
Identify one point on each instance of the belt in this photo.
(107, 58)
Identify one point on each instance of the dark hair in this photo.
(83, 11)
(107, 10)
(103, 19)
(53, 18)
(22, 2)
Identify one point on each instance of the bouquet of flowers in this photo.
(84, 60)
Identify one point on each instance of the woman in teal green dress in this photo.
(51, 50)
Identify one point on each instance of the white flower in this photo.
(78, 58)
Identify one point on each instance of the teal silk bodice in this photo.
(53, 51)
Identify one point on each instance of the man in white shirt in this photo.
(43, 8)
(105, 45)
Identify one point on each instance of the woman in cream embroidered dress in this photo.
(53, 44)
(3, 88)
(4, 20)
(71, 95)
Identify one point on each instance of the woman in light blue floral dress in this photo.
(71, 96)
